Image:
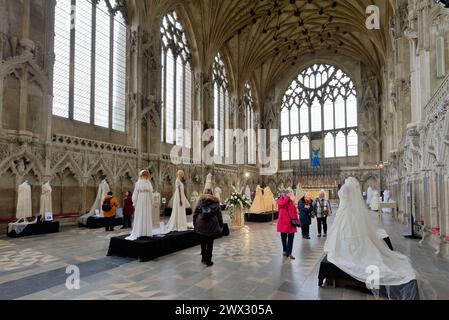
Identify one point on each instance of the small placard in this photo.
(97, 213)
(48, 216)
(164, 201)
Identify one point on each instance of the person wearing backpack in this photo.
(109, 206)
(208, 223)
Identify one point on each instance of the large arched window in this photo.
(89, 75)
(248, 102)
(176, 82)
(320, 104)
(221, 105)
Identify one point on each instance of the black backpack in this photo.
(106, 205)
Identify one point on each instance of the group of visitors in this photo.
(109, 208)
(289, 220)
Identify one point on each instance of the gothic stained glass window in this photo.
(77, 25)
(221, 104)
(176, 82)
(320, 102)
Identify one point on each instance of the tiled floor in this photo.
(248, 265)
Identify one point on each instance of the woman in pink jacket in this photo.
(287, 223)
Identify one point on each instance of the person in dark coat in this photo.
(128, 210)
(208, 223)
(306, 210)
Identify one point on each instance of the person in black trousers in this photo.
(208, 223)
(323, 210)
(306, 210)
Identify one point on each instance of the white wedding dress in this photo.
(45, 199)
(353, 244)
(103, 189)
(24, 209)
(143, 212)
(178, 218)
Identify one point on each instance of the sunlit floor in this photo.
(248, 265)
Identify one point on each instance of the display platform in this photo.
(146, 248)
(167, 212)
(261, 217)
(97, 223)
(333, 274)
(33, 229)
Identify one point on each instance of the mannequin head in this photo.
(145, 174)
(180, 174)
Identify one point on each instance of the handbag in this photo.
(294, 222)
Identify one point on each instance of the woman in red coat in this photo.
(128, 210)
(287, 213)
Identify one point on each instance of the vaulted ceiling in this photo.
(274, 35)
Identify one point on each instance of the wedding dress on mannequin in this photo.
(45, 199)
(268, 200)
(143, 204)
(369, 195)
(354, 246)
(103, 190)
(178, 218)
(24, 202)
(258, 203)
(375, 201)
(248, 193)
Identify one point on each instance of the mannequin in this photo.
(386, 199)
(268, 200)
(375, 201)
(369, 195)
(217, 193)
(143, 204)
(156, 208)
(45, 199)
(248, 193)
(208, 185)
(178, 218)
(103, 190)
(24, 202)
(194, 198)
(258, 203)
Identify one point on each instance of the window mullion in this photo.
(72, 60)
(92, 74)
(111, 68)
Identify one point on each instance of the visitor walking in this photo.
(109, 206)
(208, 223)
(128, 210)
(287, 223)
(323, 210)
(306, 210)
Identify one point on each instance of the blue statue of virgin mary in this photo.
(316, 159)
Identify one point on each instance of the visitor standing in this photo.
(306, 210)
(323, 210)
(109, 206)
(208, 223)
(128, 210)
(287, 223)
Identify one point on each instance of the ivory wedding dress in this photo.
(24, 201)
(45, 199)
(143, 212)
(178, 218)
(353, 246)
(103, 189)
(258, 203)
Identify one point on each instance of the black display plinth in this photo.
(167, 212)
(36, 229)
(147, 248)
(261, 217)
(97, 223)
